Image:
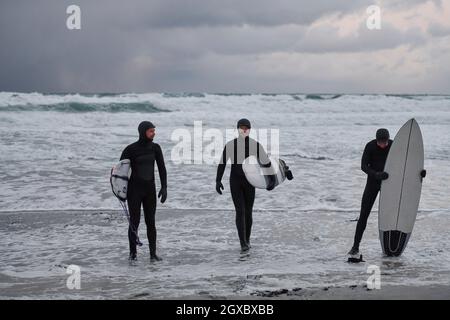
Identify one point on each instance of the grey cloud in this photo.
(197, 13)
(405, 4)
(327, 39)
(167, 45)
(438, 30)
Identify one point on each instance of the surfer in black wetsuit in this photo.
(372, 163)
(141, 188)
(242, 192)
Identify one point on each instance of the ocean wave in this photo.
(183, 95)
(296, 97)
(77, 107)
(419, 97)
(403, 96)
(297, 155)
(79, 103)
(231, 94)
(322, 96)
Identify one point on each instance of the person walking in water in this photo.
(141, 187)
(372, 163)
(242, 192)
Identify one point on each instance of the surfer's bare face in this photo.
(383, 143)
(150, 133)
(244, 131)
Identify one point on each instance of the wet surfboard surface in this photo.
(257, 175)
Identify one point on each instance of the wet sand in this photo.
(296, 260)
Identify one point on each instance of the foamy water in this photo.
(57, 151)
(200, 250)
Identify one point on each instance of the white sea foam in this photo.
(59, 160)
(302, 229)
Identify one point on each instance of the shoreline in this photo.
(353, 292)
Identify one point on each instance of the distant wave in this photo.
(296, 97)
(404, 96)
(322, 96)
(12, 101)
(231, 94)
(78, 107)
(183, 95)
(319, 158)
(419, 97)
(155, 102)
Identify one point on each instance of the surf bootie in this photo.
(355, 259)
(354, 256)
(132, 257)
(245, 248)
(154, 257)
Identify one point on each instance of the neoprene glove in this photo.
(271, 183)
(423, 173)
(219, 186)
(381, 175)
(289, 175)
(163, 194)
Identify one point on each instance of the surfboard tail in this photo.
(393, 242)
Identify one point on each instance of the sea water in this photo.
(57, 151)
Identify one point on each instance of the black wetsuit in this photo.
(373, 161)
(242, 192)
(141, 186)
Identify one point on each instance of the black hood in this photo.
(244, 122)
(143, 127)
(382, 134)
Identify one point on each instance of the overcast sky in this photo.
(320, 46)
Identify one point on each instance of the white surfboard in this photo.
(257, 175)
(119, 179)
(400, 193)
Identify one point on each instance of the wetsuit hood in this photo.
(382, 134)
(142, 128)
(244, 122)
